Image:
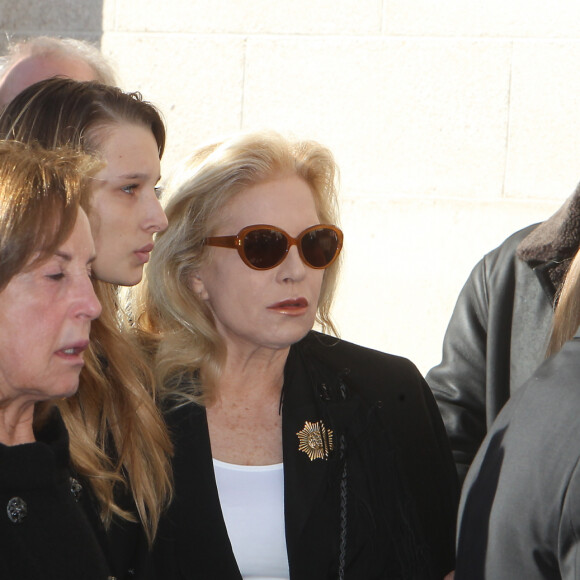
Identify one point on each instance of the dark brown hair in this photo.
(61, 111)
(40, 195)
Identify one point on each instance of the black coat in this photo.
(499, 329)
(45, 534)
(495, 339)
(401, 488)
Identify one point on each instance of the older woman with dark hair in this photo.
(297, 455)
(47, 303)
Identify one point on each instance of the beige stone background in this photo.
(454, 122)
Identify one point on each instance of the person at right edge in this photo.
(519, 516)
(499, 329)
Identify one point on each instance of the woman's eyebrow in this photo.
(64, 255)
(133, 176)
(68, 257)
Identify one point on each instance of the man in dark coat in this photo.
(499, 329)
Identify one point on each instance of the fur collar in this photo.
(553, 244)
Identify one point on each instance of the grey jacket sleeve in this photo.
(569, 532)
(519, 515)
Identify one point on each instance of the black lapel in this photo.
(202, 546)
(313, 392)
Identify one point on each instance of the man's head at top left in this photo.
(43, 57)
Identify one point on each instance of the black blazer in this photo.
(387, 484)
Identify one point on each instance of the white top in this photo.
(252, 502)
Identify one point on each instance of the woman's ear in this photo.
(198, 286)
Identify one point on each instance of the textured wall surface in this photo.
(454, 123)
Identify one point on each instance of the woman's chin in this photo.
(66, 390)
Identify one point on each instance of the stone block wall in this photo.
(454, 123)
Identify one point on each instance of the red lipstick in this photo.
(291, 306)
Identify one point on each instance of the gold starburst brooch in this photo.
(315, 440)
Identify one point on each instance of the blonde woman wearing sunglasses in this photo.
(297, 455)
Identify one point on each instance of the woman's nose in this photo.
(88, 303)
(292, 268)
(155, 218)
